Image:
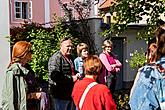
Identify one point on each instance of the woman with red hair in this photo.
(89, 95)
(14, 89)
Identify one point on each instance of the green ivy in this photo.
(42, 50)
(45, 44)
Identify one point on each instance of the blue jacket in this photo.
(78, 62)
(149, 91)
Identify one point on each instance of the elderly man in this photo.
(62, 77)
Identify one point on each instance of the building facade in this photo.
(43, 12)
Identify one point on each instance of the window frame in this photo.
(28, 9)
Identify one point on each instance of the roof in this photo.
(106, 4)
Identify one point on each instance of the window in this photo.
(108, 19)
(23, 10)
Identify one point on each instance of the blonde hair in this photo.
(20, 50)
(92, 65)
(80, 47)
(107, 42)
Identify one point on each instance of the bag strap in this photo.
(85, 93)
(17, 88)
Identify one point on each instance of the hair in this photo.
(20, 50)
(65, 38)
(152, 47)
(107, 42)
(160, 35)
(80, 47)
(92, 65)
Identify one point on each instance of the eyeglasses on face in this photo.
(108, 46)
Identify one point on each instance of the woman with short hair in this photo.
(82, 52)
(98, 97)
(111, 66)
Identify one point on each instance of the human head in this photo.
(92, 65)
(160, 41)
(82, 50)
(66, 46)
(21, 52)
(107, 46)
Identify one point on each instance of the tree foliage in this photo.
(80, 22)
(45, 41)
(133, 11)
(42, 49)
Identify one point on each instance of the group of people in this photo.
(69, 79)
(82, 83)
(87, 82)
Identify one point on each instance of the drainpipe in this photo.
(47, 13)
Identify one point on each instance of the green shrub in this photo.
(121, 98)
(42, 50)
(138, 59)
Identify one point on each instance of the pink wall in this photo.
(38, 11)
(54, 8)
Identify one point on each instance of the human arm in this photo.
(106, 63)
(76, 64)
(118, 63)
(57, 73)
(135, 81)
(117, 66)
(108, 101)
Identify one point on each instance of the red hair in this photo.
(92, 65)
(20, 50)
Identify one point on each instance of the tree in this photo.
(80, 25)
(133, 11)
(45, 41)
(125, 12)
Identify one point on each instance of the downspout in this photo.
(47, 13)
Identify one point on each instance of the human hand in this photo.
(113, 66)
(38, 95)
(74, 78)
(35, 95)
(117, 69)
(78, 75)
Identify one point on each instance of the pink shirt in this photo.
(108, 66)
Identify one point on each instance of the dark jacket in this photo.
(60, 77)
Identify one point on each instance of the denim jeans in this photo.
(59, 104)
